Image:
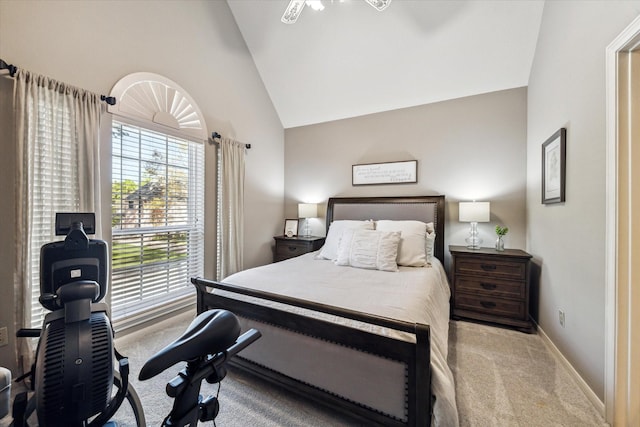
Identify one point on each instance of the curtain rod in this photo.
(111, 100)
(215, 135)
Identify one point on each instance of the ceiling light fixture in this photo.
(294, 9)
(315, 4)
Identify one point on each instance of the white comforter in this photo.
(416, 295)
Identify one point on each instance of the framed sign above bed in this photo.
(405, 172)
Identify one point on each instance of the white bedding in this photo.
(413, 294)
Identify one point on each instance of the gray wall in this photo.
(196, 44)
(468, 148)
(567, 89)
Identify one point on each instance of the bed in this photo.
(379, 356)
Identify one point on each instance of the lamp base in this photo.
(473, 245)
(307, 228)
(473, 241)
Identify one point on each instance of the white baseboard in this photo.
(593, 398)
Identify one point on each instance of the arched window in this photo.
(157, 195)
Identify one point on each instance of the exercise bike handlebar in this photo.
(243, 341)
(210, 366)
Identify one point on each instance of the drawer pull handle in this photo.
(487, 304)
(293, 248)
(488, 286)
(488, 267)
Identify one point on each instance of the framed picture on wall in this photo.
(405, 172)
(290, 227)
(554, 152)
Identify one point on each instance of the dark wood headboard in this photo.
(421, 208)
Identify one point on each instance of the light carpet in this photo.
(508, 378)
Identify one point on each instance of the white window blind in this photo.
(157, 218)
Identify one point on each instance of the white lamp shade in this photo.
(474, 211)
(307, 210)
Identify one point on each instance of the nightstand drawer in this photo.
(492, 287)
(292, 248)
(489, 305)
(495, 268)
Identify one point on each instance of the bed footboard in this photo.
(415, 356)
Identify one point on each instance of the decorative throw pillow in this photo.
(411, 251)
(369, 249)
(430, 244)
(330, 248)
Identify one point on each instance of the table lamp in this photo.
(474, 212)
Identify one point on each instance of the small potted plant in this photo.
(500, 231)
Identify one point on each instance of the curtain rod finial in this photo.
(111, 100)
(12, 68)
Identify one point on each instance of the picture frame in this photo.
(290, 227)
(554, 151)
(403, 172)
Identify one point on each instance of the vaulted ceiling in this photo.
(349, 59)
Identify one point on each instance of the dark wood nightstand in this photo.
(491, 286)
(289, 247)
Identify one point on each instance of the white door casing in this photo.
(622, 274)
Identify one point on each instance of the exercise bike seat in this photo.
(211, 332)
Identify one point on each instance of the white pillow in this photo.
(412, 248)
(375, 250)
(430, 244)
(330, 248)
(430, 228)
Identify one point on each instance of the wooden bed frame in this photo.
(416, 356)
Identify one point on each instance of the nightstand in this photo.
(289, 247)
(491, 286)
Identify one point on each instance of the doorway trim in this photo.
(622, 325)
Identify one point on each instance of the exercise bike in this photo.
(73, 376)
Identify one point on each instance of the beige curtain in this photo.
(58, 170)
(230, 226)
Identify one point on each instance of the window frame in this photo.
(146, 311)
(154, 102)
